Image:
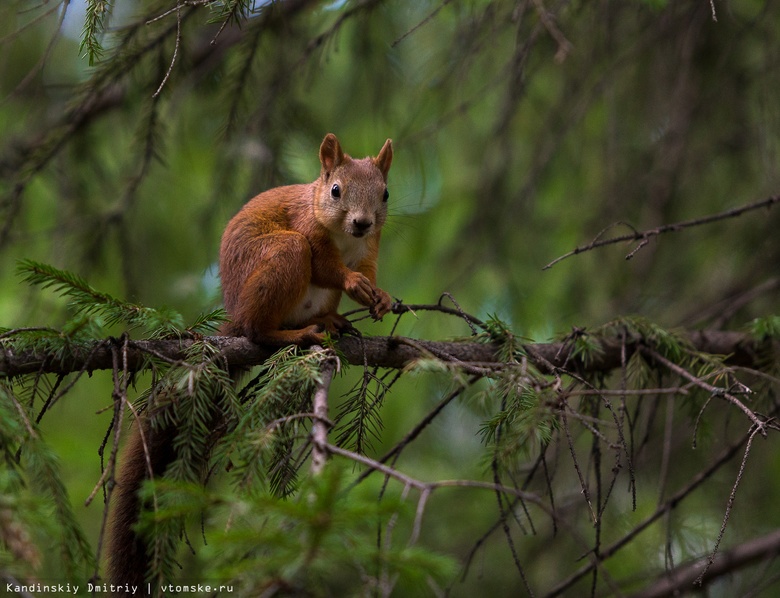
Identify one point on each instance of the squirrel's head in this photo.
(352, 194)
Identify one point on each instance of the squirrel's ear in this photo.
(331, 154)
(385, 158)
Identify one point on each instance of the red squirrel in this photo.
(290, 252)
(285, 259)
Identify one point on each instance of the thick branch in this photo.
(386, 352)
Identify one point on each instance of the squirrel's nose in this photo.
(362, 224)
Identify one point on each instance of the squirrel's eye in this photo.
(335, 191)
(386, 195)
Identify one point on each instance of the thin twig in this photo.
(564, 45)
(724, 457)
(421, 425)
(16, 331)
(679, 581)
(729, 505)
(34, 71)
(177, 43)
(119, 396)
(644, 236)
(176, 8)
(714, 390)
(419, 25)
(570, 442)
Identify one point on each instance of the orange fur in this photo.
(287, 256)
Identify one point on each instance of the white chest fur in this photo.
(352, 249)
(313, 304)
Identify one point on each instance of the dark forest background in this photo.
(132, 131)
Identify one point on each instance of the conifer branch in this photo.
(386, 352)
(94, 24)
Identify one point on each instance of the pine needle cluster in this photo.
(35, 508)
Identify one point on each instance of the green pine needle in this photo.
(94, 24)
(88, 301)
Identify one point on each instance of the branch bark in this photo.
(683, 577)
(385, 352)
(321, 424)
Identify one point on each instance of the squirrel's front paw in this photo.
(360, 289)
(382, 304)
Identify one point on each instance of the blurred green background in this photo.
(521, 130)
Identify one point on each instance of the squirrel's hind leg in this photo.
(267, 296)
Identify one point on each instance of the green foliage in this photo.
(263, 525)
(232, 12)
(189, 395)
(586, 347)
(499, 333)
(638, 371)
(88, 301)
(320, 542)
(523, 419)
(94, 309)
(765, 328)
(669, 343)
(259, 445)
(95, 19)
(75, 333)
(360, 415)
(208, 323)
(33, 496)
(521, 131)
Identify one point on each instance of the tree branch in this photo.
(320, 423)
(683, 577)
(385, 352)
(644, 236)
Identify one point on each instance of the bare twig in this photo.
(119, 396)
(729, 506)
(570, 442)
(426, 488)
(724, 457)
(177, 43)
(320, 423)
(644, 236)
(425, 21)
(421, 425)
(176, 9)
(62, 6)
(714, 390)
(564, 45)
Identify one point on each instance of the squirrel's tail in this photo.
(150, 449)
(128, 554)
